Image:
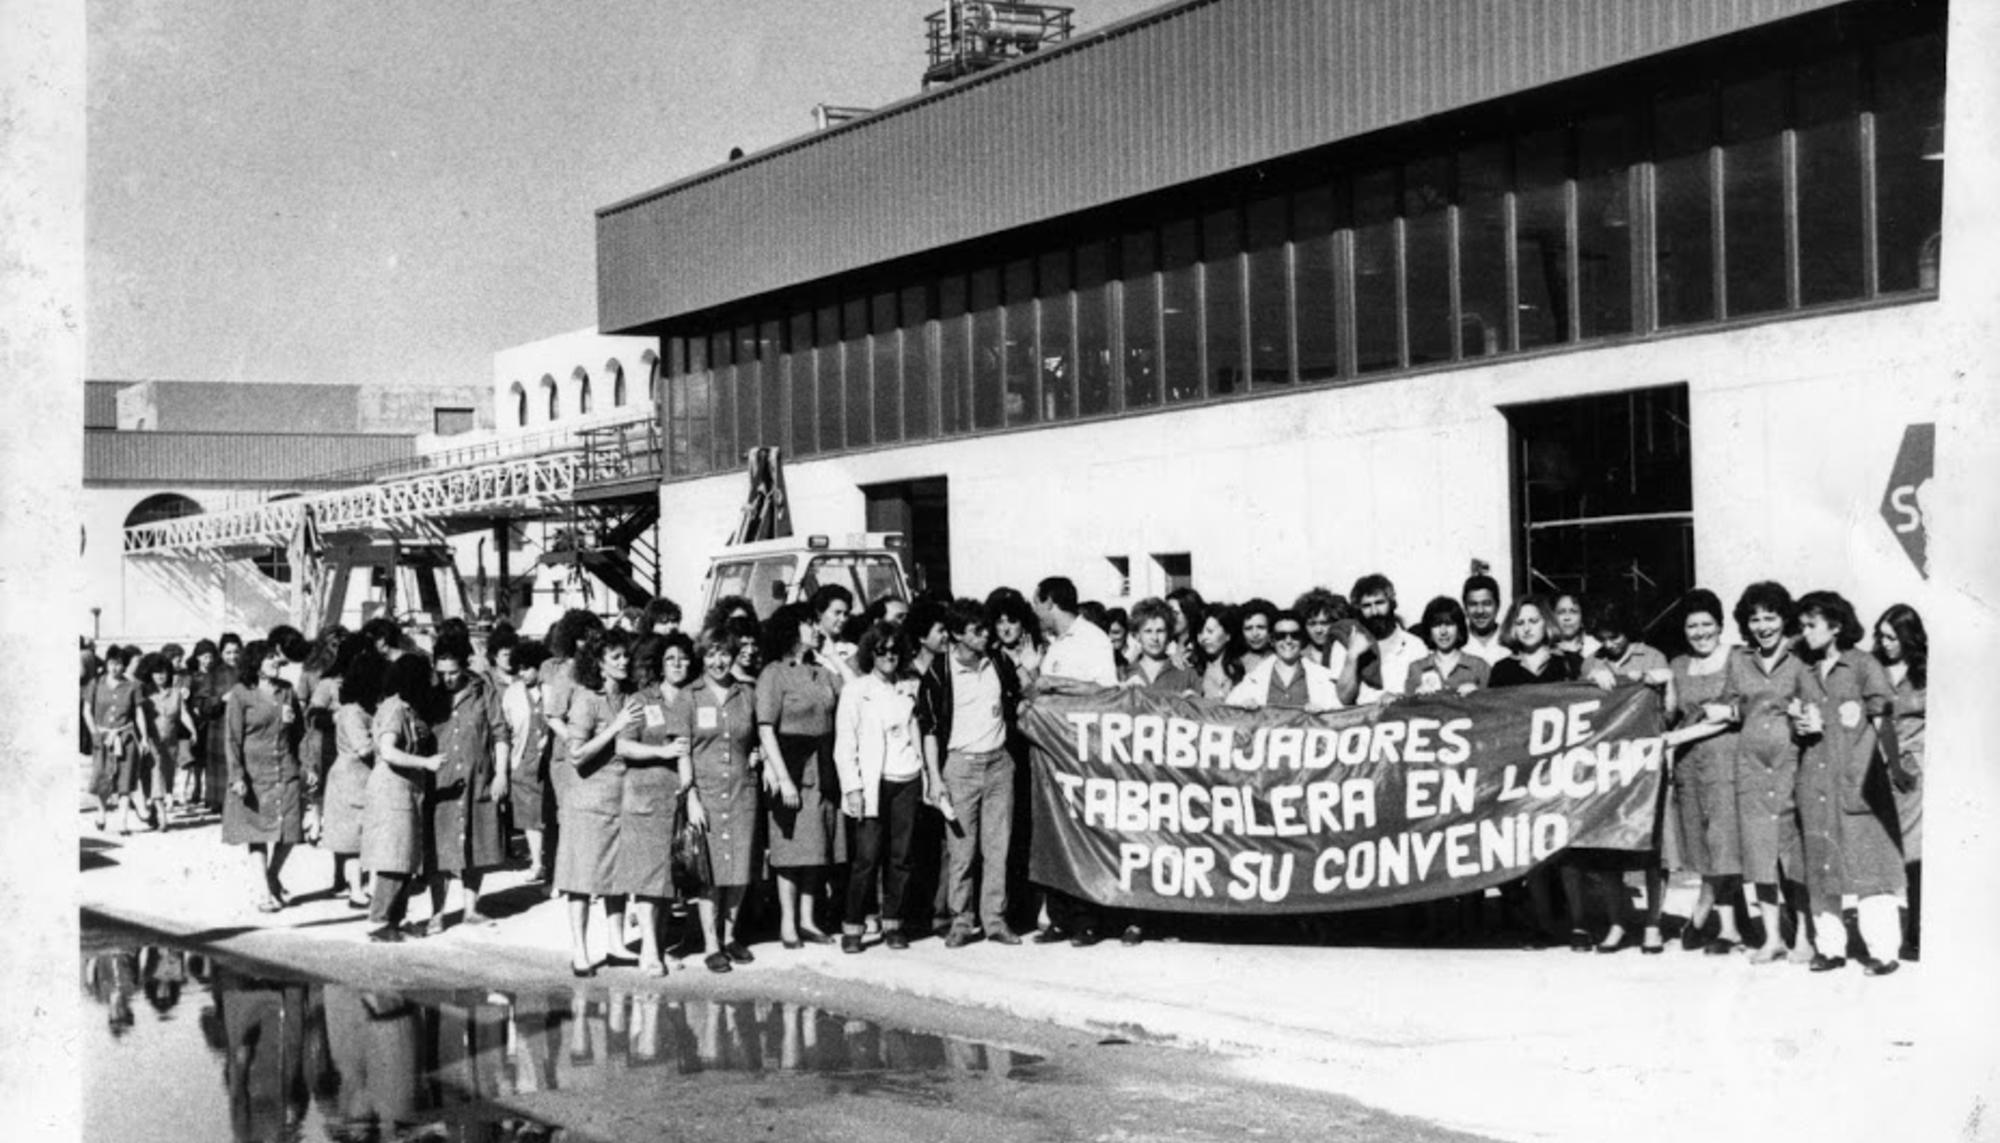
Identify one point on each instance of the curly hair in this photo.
(1765, 595)
(1009, 604)
(588, 664)
(1833, 608)
(883, 636)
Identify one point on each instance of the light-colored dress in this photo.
(392, 832)
(721, 730)
(646, 803)
(1910, 717)
(346, 801)
(592, 792)
(1709, 834)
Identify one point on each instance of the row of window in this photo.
(1787, 189)
(551, 395)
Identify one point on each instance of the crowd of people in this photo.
(865, 771)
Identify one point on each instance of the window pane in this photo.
(673, 380)
(700, 439)
(749, 390)
(1753, 196)
(1909, 188)
(1313, 223)
(883, 339)
(1093, 330)
(988, 399)
(1058, 354)
(1604, 224)
(1141, 294)
(722, 357)
(854, 371)
(1376, 305)
(1829, 145)
(1019, 357)
(918, 380)
(826, 337)
(1427, 231)
(1222, 299)
(799, 367)
(1541, 243)
(1180, 324)
(1482, 250)
(771, 401)
(1270, 297)
(954, 356)
(1684, 215)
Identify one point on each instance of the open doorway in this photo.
(920, 509)
(1604, 502)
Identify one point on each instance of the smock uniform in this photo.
(114, 705)
(1470, 672)
(1704, 783)
(261, 735)
(798, 701)
(1909, 715)
(1846, 813)
(317, 749)
(215, 757)
(345, 802)
(163, 710)
(721, 730)
(1767, 763)
(646, 804)
(592, 792)
(528, 788)
(392, 828)
(464, 818)
(558, 690)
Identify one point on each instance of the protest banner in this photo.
(1146, 801)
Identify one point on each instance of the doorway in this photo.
(1604, 502)
(920, 509)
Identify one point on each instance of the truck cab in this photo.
(772, 573)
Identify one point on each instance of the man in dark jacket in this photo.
(967, 704)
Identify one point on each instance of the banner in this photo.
(1146, 801)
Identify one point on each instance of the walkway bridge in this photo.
(596, 488)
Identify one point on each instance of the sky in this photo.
(390, 191)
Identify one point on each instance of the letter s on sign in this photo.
(1903, 501)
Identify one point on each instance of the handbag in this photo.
(692, 872)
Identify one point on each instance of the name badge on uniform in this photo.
(996, 709)
(656, 716)
(705, 718)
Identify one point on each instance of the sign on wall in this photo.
(1902, 502)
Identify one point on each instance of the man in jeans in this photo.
(1079, 660)
(966, 705)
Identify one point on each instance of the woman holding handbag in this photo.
(717, 715)
(884, 777)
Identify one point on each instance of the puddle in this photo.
(183, 1045)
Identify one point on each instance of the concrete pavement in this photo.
(1518, 1045)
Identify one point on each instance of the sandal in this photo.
(268, 905)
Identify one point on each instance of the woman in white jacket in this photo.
(1287, 678)
(883, 778)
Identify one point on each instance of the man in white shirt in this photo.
(1395, 649)
(1481, 598)
(1079, 658)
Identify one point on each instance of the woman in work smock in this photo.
(345, 803)
(652, 755)
(1764, 687)
(1704, 828)
(796, 701)
(1904, 650)
(264, 804)
(600, 709)
(718, 717)
(1846, 808)
(394, 850)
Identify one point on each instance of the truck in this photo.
(772, 573)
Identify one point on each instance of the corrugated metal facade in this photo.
(1188, 92)
(235, 460)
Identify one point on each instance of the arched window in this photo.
(651, 361)
(520, 392)
(551, 398)
(161, 506)
(582, 380)
(617, 373)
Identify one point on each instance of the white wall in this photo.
(558, 358)
(153, 600)
(1795, 427)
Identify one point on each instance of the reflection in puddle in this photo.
(311, 1062)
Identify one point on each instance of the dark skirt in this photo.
(529, 791)
(812, 834)
(466, 831)
(271, 812)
